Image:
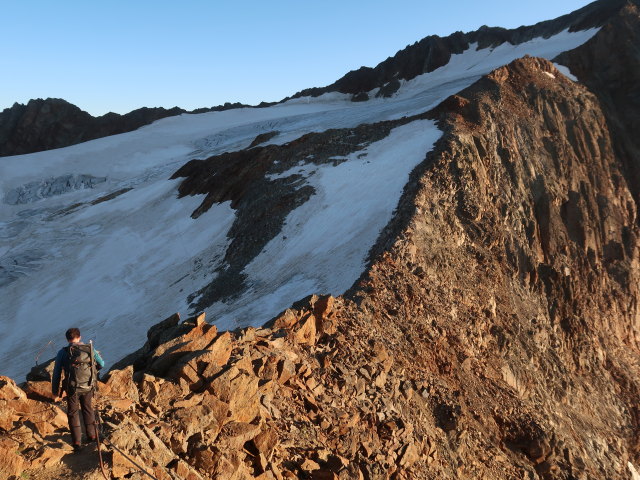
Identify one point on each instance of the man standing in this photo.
(80, 372)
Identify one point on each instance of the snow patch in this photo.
(566, 72)
(324, 243)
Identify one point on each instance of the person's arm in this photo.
(98, 359)
(57, 373)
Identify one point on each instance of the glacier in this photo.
(115, 257)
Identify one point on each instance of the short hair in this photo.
(72, 333)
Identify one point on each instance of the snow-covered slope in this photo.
(117, 257)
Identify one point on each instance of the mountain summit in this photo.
(427, 270)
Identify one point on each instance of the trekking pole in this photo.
(96, 413)
(41, 351)
(140, 468)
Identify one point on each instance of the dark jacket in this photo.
(63, 363)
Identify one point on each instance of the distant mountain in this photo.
(433, 52)
(54, 123)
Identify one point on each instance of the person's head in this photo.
(73, 335)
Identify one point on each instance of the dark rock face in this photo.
(252, 181)
(433, 51)
(54, 123)
(609, 64)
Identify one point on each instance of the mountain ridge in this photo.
(54, 123)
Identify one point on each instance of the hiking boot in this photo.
(77, 447)
(90, 440)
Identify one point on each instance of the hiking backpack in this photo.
(82, 370)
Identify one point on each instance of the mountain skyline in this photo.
(127, 56)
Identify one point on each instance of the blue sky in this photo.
(120, 55)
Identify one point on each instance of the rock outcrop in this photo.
(55, 123)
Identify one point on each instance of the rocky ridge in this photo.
(54, 123)
(433, 52)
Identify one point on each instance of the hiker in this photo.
(80, 378)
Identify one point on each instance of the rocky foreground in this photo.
(313, 396)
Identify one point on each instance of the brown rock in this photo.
(309, 465)
(323, 306)
(408, 456)
(120, 388)
(121, 466)
(39, 390)
(10, 391)
(235, 434)
(44, 418)
(217, 355)
(324, 474)
(265, 442)
(286, 370)
(306, 334)
(195, 419)
(47, 457)
(42, 372)
(219, 409)
(200, 319)
(286, 320)
(186, 368)
(240, 391)
(184, 471)
(12, 463)
(169, 353)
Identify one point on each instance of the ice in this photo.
(566, 72)
(324, 243)
(113, 268)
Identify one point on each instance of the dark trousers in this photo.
(75, 403)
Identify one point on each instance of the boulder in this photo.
(42, 372)
(184, 471)
(12, 463)
(169, 353)
(38, 390)
(265, 442)
(306, 334)
(120, 390)
(240, 391)
(10, 391)
(235, 434)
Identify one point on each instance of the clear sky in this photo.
(118, 55)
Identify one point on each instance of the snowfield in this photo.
(113, 266)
